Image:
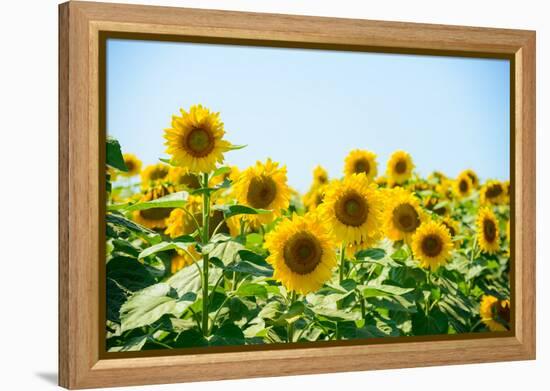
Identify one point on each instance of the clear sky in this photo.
(307, 107)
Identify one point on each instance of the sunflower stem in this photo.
(342, 262)
(290, 328)
(205, 260)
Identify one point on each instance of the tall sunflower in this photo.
(263, 186)
(463, 185)
(473, 177)
(133, 164)
(320, 176)
(353, 208)
(487, 231)
(492, 193)
(432, 245)
(360, 161)
(402, 214)
(495, 313)
(195, 140)
(153, 175)
(400, 167)
(154, 218)
(302, 253)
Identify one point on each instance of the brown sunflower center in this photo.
(261, 192)
(352, 209)
(472, 177)
(489, 230)
(302, 253)
(450, 228)
(494, 191)
(362, 165)
(463, 186)
(322, 179)
(401, 166)
(159, 173)
(199, 142)
(432, 245)
(155, 213)
(130, 165)
(502, 311)
(405, 218)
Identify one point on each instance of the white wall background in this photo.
(28, 207)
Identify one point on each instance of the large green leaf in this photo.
(132, 345)
(227, 334)
(166, 246)
(174, 200)
(252, 289)
(129, 224)
(150, 304)
(234, 210)
(372, 253)
(114, 155)
(187, 279)
(434, 323)
(129, 273)
(383, 290)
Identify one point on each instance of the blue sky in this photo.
(308, 107)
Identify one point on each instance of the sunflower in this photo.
(360, 161)
(320, 176)
(492, 193)
(353, 208)
(314, 197)
(263, 186)
(487, 231)
(437, 176)
(437, 205)
(381, 181)
(402, 214)
(445, 188)
(183, 178)
(432, 245)
(153, 218)
(302, 253)
(153, 175)
(463, 185)
(473, 177)
(182, 222)
(495, 313)
(195, 139)
(453, 227)
(133, 164)
(399, 167)
(181, 259)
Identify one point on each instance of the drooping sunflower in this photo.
(473, 177)
(360, 161)
(154, 218)
(487, 231)
(153, 175)
(182, 222)
(133, 164)
(353, 208)
(492, 193)
(463, 185)
(314, 197)
(182, 178)
(400, 167)
(402, 214)
(195, 140)
(432, 245)
(263, 186)
(320, 176)
(302, 253)
(495, 313)
(181, 259)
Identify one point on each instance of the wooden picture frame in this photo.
(81, 166)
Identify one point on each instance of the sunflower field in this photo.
(203, 254)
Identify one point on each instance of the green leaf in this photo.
(384, 290)
(435, 323)
(166, 246)
(234, 210)
(132, 345)
(221, 171)
(148, 305)
(187, 279)
(129, 273)
(190, 339)
(393, 303)
(336, 315)
(251, 263)
(372, 253)
(228, 334)
(293, 313)
(174, 200)
(225, 251)
(400, 255)
(236, 147)
(252, 289)
(114, 156)
(129, 224)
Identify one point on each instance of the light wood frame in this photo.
(81, 162)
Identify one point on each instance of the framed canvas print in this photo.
(248, 195)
